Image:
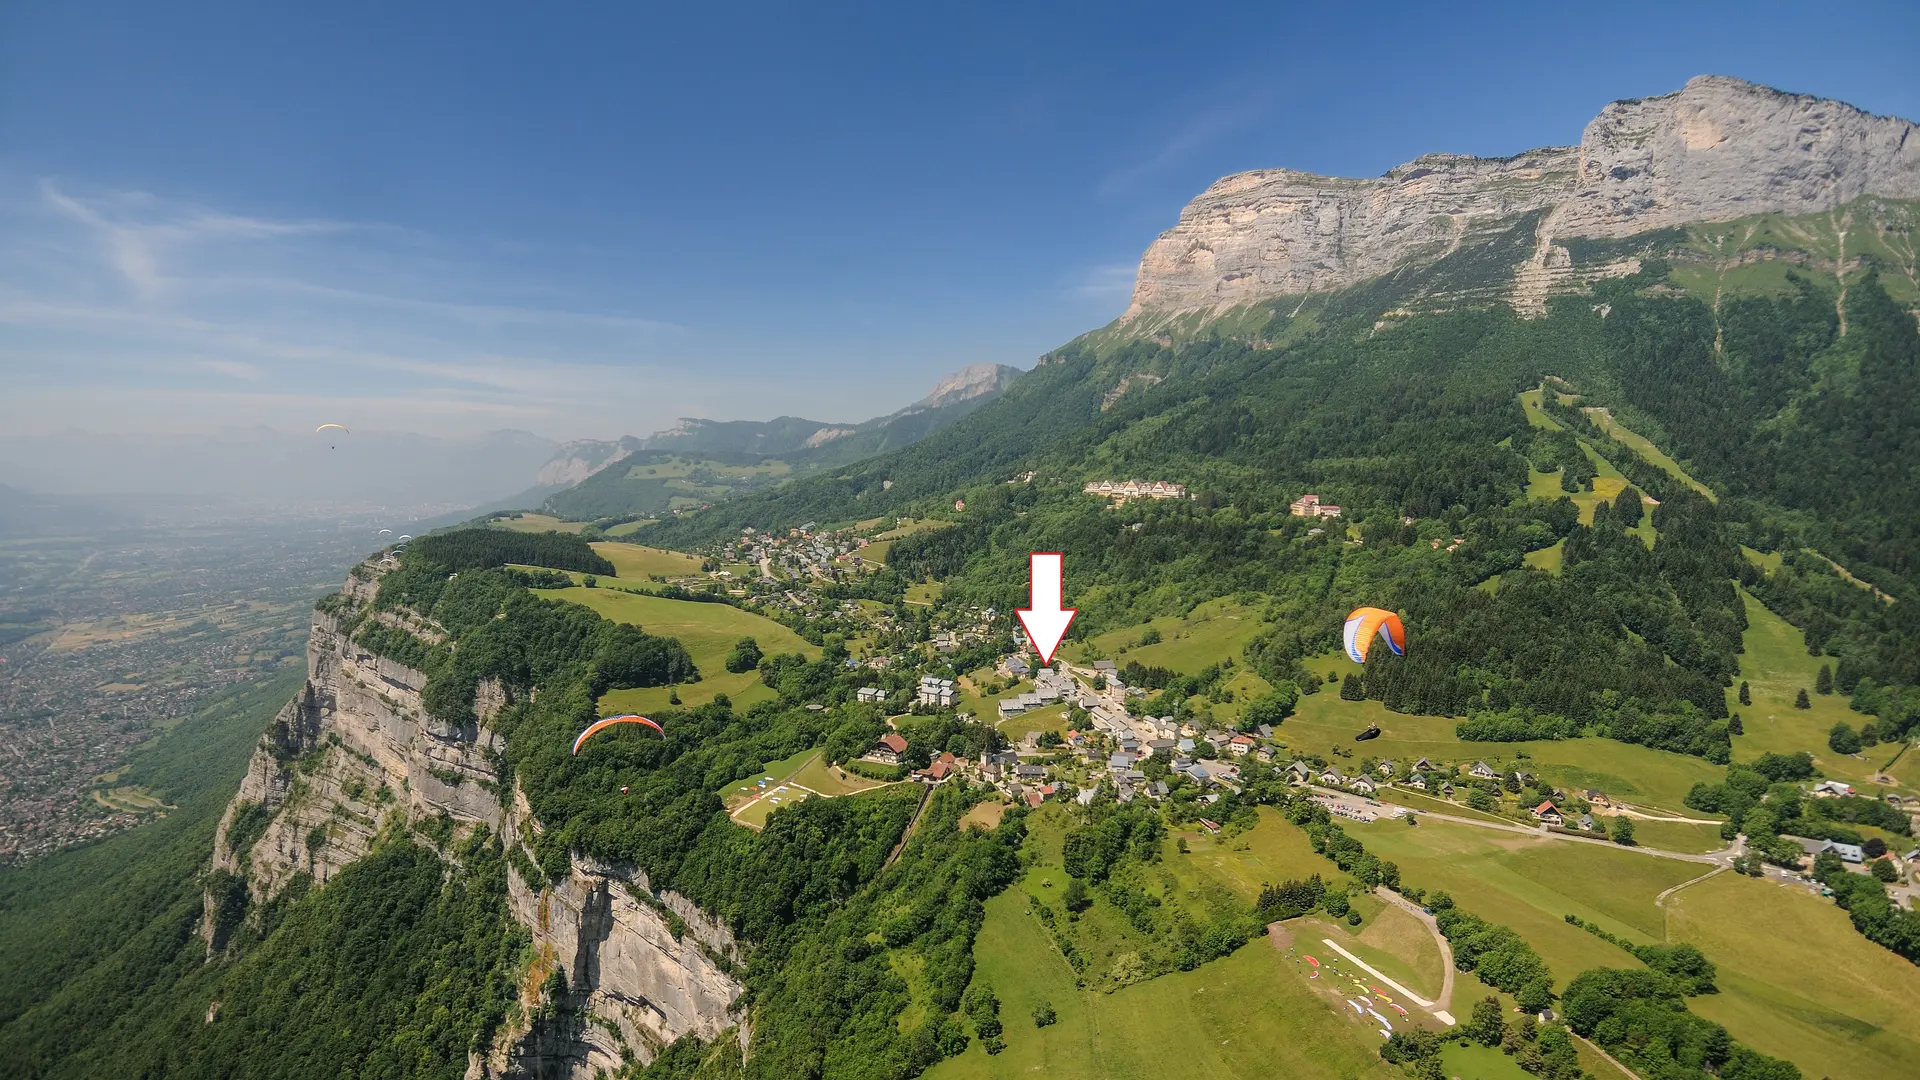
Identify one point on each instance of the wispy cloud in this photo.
(136, 229)
(140, 295)
(1230, 110)
(232, 369)
(1105, 282)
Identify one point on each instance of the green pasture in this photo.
(1214, 631)
(1250, 1014)
(637, 563)
(1776, 667)
(538, 523)
(708, 631)
(1532, 882)
(1656, 780)
(1639, 444)
(1797, 981)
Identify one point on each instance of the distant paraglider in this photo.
(601, 725)
(1364, 623)
(341, 428)
(386, 532)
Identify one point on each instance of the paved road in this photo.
(1385, 809)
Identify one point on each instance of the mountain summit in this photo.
(1718, 149)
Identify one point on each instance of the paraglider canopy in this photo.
(386, 532)
(602, 724)
(1364, 623)
(323, 428)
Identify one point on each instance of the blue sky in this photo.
(588, 220)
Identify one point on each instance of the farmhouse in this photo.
(1239, 745)
(1299, 773)
(888, 750)
(1548, 814)
(1597, 797)
(1311, 506)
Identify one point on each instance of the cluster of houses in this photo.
(1310, 506)
(936, 692)
(1122, 490)
(1049, 686)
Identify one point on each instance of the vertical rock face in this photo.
(355, 752)
(1718, 149)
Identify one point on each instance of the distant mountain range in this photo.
(701, 461)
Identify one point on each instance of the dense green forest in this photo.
(1419, 421)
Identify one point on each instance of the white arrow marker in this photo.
(1046, 621)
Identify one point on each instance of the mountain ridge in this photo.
(1720, 148)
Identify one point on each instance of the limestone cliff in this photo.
(355, 753)
(1716, 150)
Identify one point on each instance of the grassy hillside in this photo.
(709, 632)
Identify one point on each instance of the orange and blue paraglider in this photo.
(1364, 623)
(603, 724)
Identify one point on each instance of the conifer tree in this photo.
(1823, 682)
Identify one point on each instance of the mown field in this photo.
(1797, 981)
(709, 632)
(638, 562)
(1776, 667)
(538, 523)
(1250, 1014)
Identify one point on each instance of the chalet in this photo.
(1299, 773)
(1030, 772)
(1386, 768)
(1033, 797)
(1161, 746)
(1265, 731)
(888, 750)
(1105, 667)
(1446, 789)
(1586, 822)
(1597, 797)
(1526, 778)
(1423, 765)
(1417, 780)
(941, 768)
(1264, 753)
(1310, 506)
(1827, 789)
(1361, 786)
(1158, 789)
(1240, 745)
(1482, 771)
(1014, 667)
(1548, 814)
(1331, 777)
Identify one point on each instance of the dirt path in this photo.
(1717, 858)
(1611, 1060)
(926, 796)
(1666, 930)
(1644, 816)
(1444, 1003)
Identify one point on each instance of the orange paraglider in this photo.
(603, 724)
(1364, 623)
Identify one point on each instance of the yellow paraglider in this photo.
(1364, 623)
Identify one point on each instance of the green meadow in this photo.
(1776, 667)
(709, 632)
